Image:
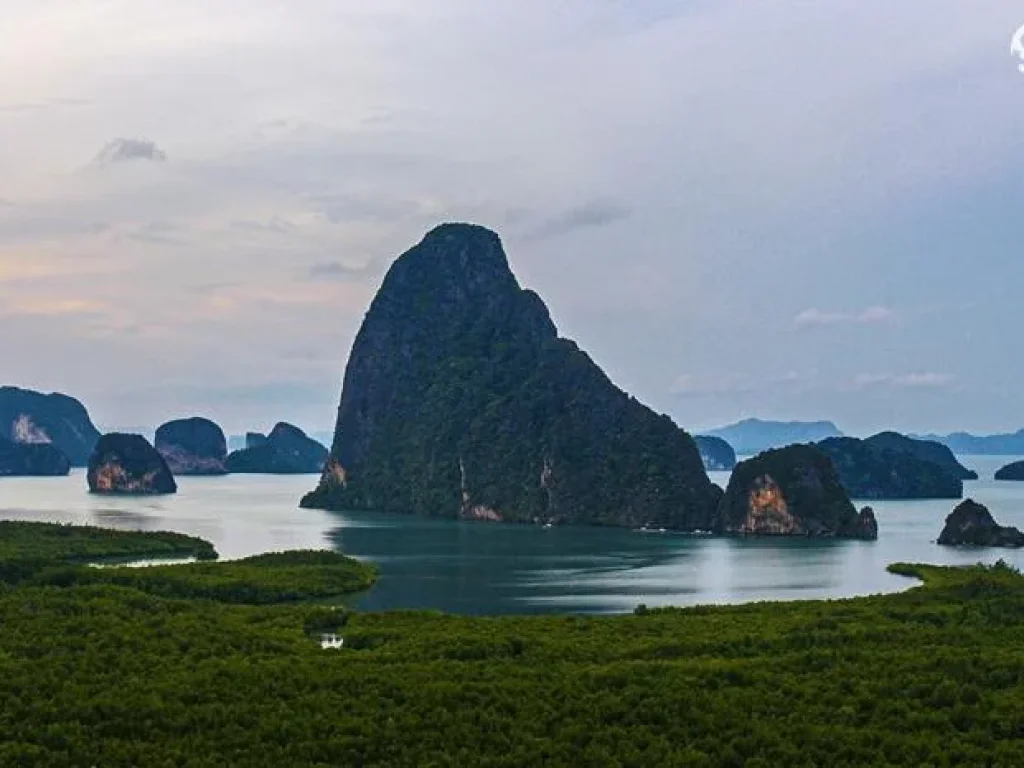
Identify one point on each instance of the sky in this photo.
(788, 209)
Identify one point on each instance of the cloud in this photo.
(695, 385)
(275, 225)
(335, 270)
(816, 318)
(40, 106)
(158, 233)
(125, 150)
(55, 307)
(587, 215)
(633, 202)
(692, 385)
(928, 380)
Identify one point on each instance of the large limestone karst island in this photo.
(127, 465)
(792, 491)
(460, 400)
(33, 418)
(193, 446)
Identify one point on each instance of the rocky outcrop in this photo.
(32, 418)
(460, 400)
(925, 450)
(791, 491)
(128, 465)
(717, 455)
(32, 460)
(1013, 471)
(193, 446)
(285, 451)
(873, 471)
(972, 524)
(864, 527)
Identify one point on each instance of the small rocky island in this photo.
(32, 460)
(717, 455)
(461, 401)
(285, 451)
(33, 418)
(972, 524)
(1013, 471)
(128, 465)
(884, 468)
(791, 491)
(193, 446)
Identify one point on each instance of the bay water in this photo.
(485, 568)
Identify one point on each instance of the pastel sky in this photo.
(789, 209)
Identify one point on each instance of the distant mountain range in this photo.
(752, 436)
(992, 445)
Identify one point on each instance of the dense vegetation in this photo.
(460, 400)
(26, 548)
(281, 577)
(110, 675)
(926, 450)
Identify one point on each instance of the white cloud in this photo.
(814, 318)
(308, 139)
(927, 380)
(692, 385)
(708, 385)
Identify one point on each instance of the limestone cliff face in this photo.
(128, 465)
(193, 446)
(460, 400)
(768, 511)
(32, 418)
(790, 492)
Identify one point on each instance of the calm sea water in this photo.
(490, 569)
